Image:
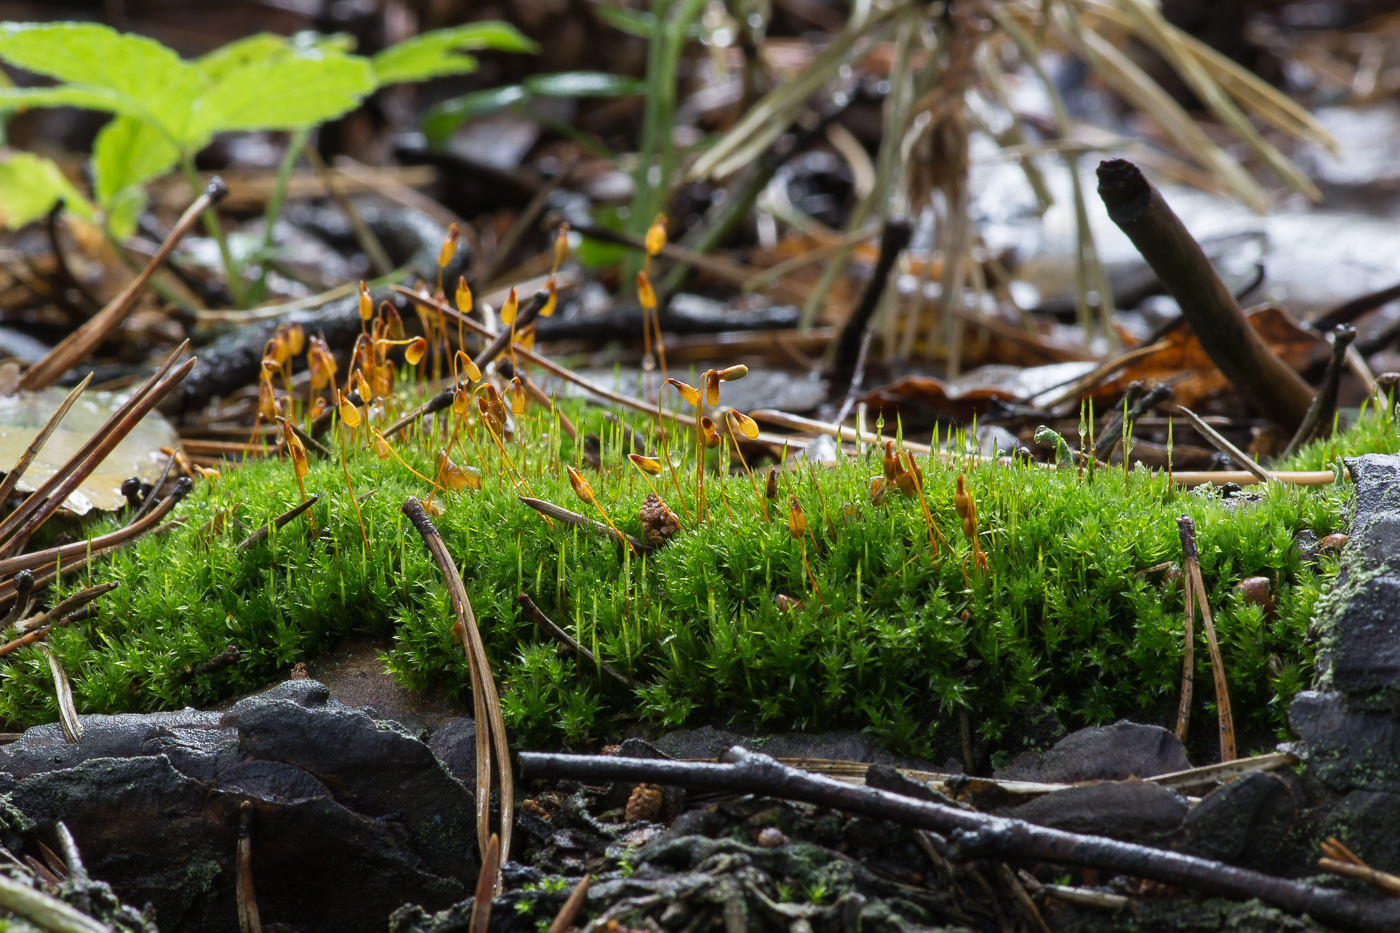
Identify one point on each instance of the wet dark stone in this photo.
(341, 804)
(1242, 823)
(1126, 810)
(1102, 753)
(455, 746)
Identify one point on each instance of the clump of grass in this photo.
(876, 630)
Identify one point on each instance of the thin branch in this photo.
(565, 639)
(973, 834)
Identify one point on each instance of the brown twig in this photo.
(1318, 421)
(894, 237)
(583, 521)
(1264, 380)
(486, 703)
(1191, 574)
(564, 638)
(78, 345)
(485, 886)
(1340, 860)
(277, 523)
(973, 834)
(249, 921)
(72, 603)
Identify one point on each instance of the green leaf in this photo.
(439, 52)
(152, 78)
(584, 84)
(262, 47)
(17, 98)
(123, 210)
(442, 120)
(128, 152)
(282, 95)
(30, 185)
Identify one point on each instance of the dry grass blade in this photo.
(78, 345)
(565, 918)
(485, 886)
(102, 542)
(67, 712)
(1133, 84)
(1191, 573)
(486, 702)
(1222, 444)
(79, 460)
(45, 911)
(12, 478)
(1214, 774)
(1188, 664)
(249, 921)
(278, 522)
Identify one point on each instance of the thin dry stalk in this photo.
(1188, 663)
(1222, 444)
(249, 921)
(44, 910)
(42, 628)
(1340, 860)
(72, 603)
(67, 711)
(486, 702)
(485, 886)
(565, 918)
(1191, 571)
(550, 510)
(278, 522)
(78, 345)
(548, 626)
(30, 452)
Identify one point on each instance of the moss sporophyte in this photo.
(850, 607)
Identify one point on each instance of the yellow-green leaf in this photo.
(30, 185)
(441, 52)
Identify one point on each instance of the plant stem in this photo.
(212, 227)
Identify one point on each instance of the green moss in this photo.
(896, 642)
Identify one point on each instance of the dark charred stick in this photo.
(433, 405)
(65, 273)
(1112, 431)
(742, 771)
(564, 638)
(1318, 422)
(24, 586)
(79, 599)
(277, 522)
(857, 379)
(71, 604)
(226, 658)
(583, 521)
(502, 339)
(1348, 312)
(1155, 396)
(1263, 380)
(522, 223)
(894, 237)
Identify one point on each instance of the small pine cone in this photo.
(644, 804)
(658, 522)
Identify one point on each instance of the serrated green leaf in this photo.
(128, 152)
(441, 121)
(30, 185)
(584, 84)
(150, 77)
(440, 52)
(285, 94)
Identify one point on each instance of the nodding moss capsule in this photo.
(296, 339)
(461, 403)
(710, 380)
(733, 373)
(465, 367)
(295, 448)
(392, 320)
(464, 295)
(890, 462)
(746, 425)
(362, 387)
(709, 432)
(449, 246)
(319, 408)
(689, 393)
(561, 247)
(797, 520)
(550, 303)
(879, 491)
(454, 477)
(321, 364)
(382, 450)
(646, 295)
(267, 401)
(517, 397)
(656, 235)
(415, 350)
(648, 465)
(967, 509)
(366, 303)
(581, 487)
(348, 412)
(509, 309)
(770, 489)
